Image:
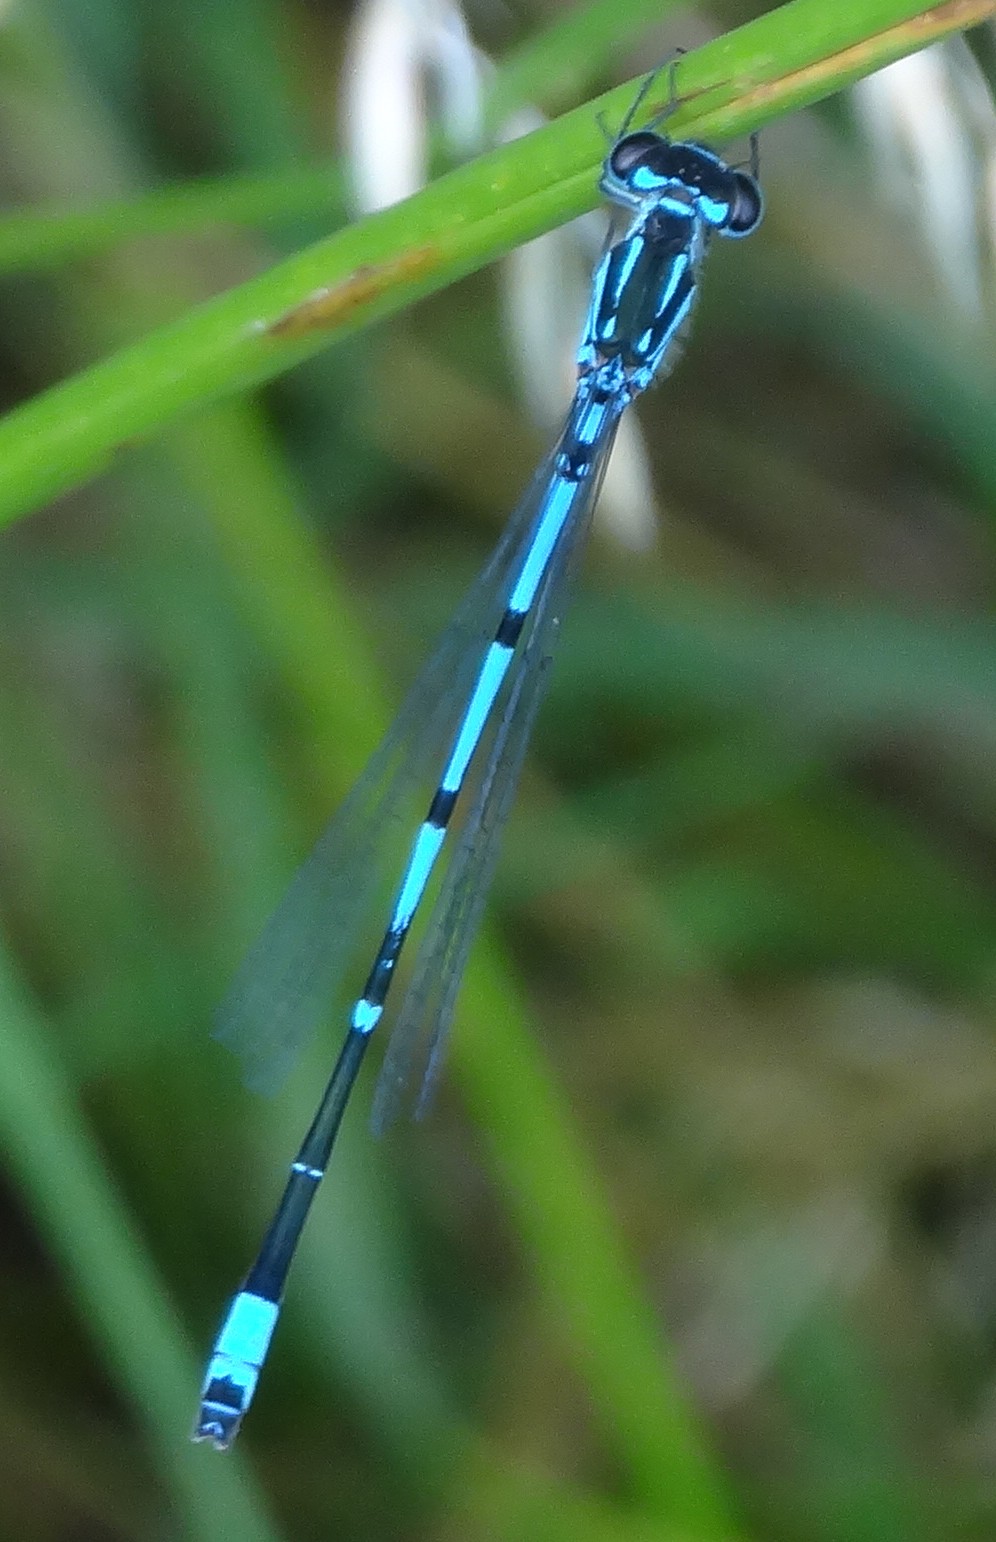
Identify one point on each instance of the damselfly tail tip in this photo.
(215, 1425)
(234, 1368)
(224, 1400)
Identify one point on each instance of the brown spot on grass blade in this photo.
(329, 306)
(879, 48)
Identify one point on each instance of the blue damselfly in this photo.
(470, 710)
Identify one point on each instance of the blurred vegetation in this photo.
(700, 1240)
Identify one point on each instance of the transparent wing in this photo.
(417, 1044)
(288, 976)
(419, 1036)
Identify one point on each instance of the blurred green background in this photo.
(700, 1239)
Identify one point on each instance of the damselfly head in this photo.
(646, 168)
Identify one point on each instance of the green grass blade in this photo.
(793, 56)
(62, 1176)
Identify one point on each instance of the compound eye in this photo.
(629, 152)
(746, 206)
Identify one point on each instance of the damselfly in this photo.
(470, 711)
